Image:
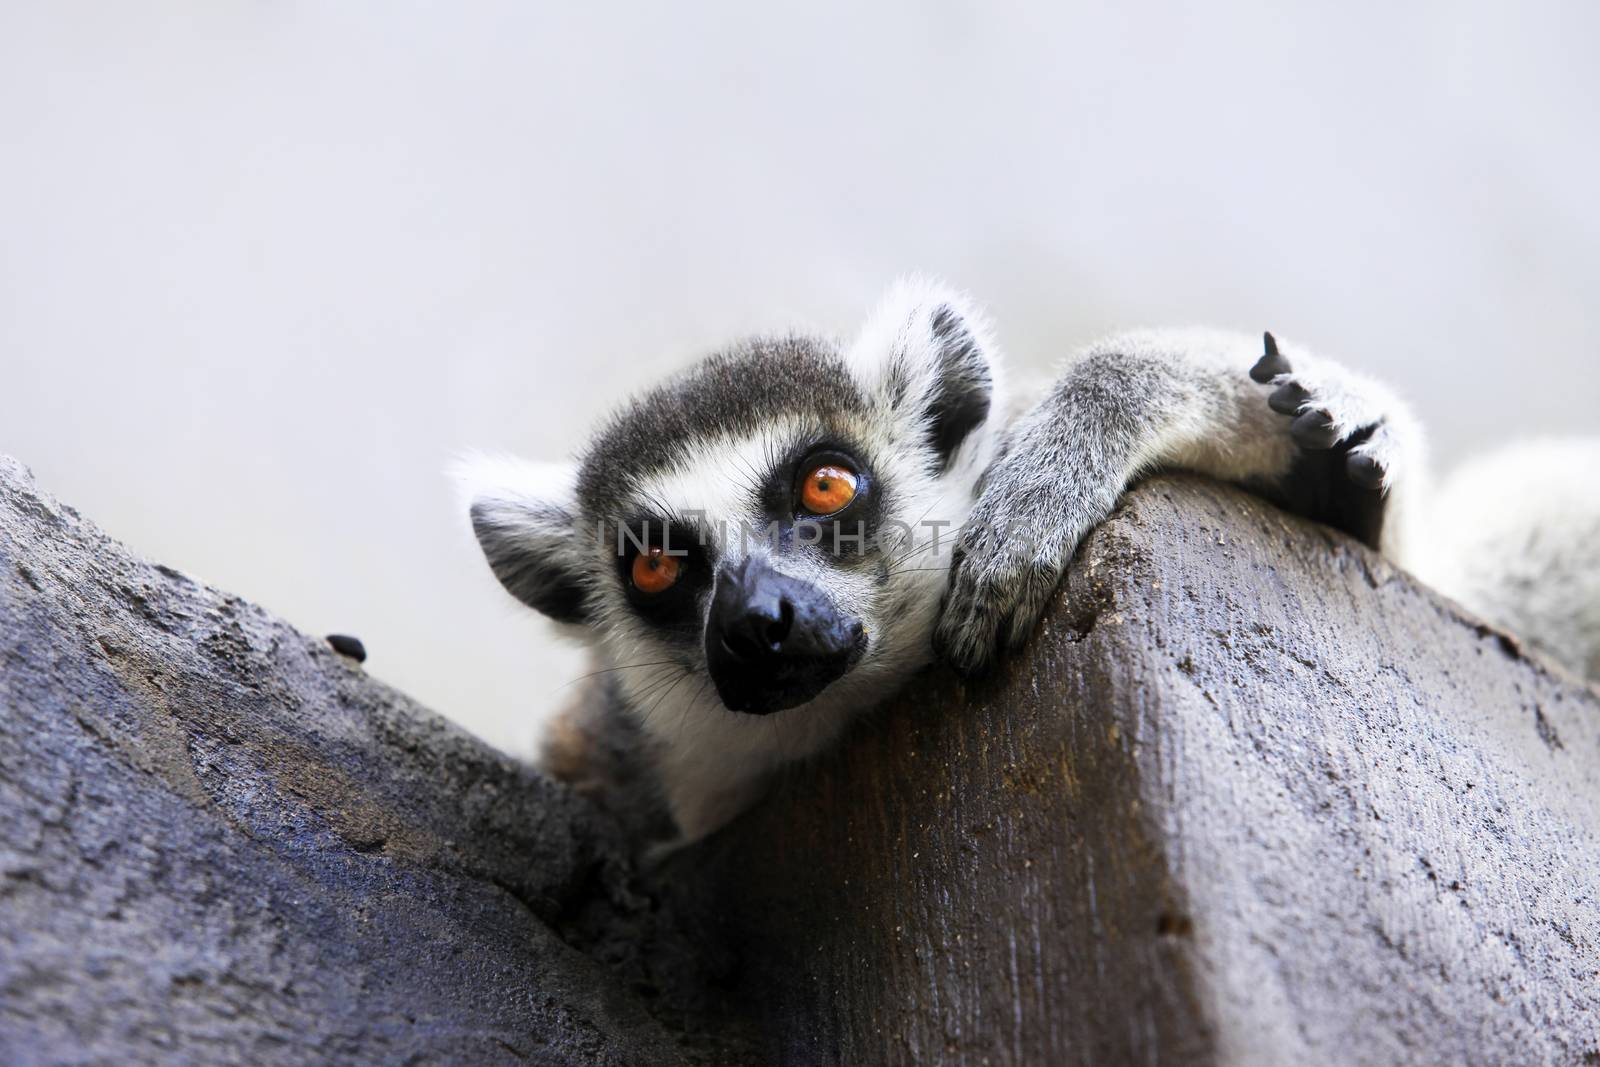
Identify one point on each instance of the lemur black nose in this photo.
(765, 625)
(774, 641)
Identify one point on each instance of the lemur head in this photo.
(758, 547)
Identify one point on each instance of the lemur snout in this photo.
(773, 641)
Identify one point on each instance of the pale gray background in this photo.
(264, 267)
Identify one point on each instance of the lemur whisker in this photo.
(933, 542)
(910, 554)
(897, 566)
(612, 670)
(669, 691)
(689, 705)
(653, 684)
(754, 484)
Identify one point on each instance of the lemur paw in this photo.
(1328, 415)
(1010, 557)
(1346, 430)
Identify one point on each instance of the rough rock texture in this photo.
(220, 842)
(1252, 797)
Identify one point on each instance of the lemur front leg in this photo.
(1325, 442)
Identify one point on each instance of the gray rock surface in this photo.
(221, 842)
(1251, 797)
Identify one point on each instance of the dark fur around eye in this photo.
(845, 533)
(676, 604)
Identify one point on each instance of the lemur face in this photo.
(767, 535)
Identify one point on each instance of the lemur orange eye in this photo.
(827, 489)
(654, 571)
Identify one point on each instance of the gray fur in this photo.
(1131, 404)
(728, 394)
(1515, 536)
(531, 545)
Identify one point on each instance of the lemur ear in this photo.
(927, 352)
(525, 518)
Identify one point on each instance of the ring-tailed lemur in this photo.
(775, 540)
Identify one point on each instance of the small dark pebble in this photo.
(346, 645)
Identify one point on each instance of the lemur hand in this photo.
(1327, 443)
(1015, 546)
(1334, 410)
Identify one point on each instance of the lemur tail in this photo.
(1515, 536)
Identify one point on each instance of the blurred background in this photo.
(265, 268)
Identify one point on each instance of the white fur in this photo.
(712, 760)
(494, 476)
(1515, 536)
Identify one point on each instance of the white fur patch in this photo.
(495, 478)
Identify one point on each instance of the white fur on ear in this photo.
(928, 353)
(525, 518)
(493, 476)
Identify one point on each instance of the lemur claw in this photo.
(1270, 365)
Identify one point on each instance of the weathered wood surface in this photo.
(1252, 797)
